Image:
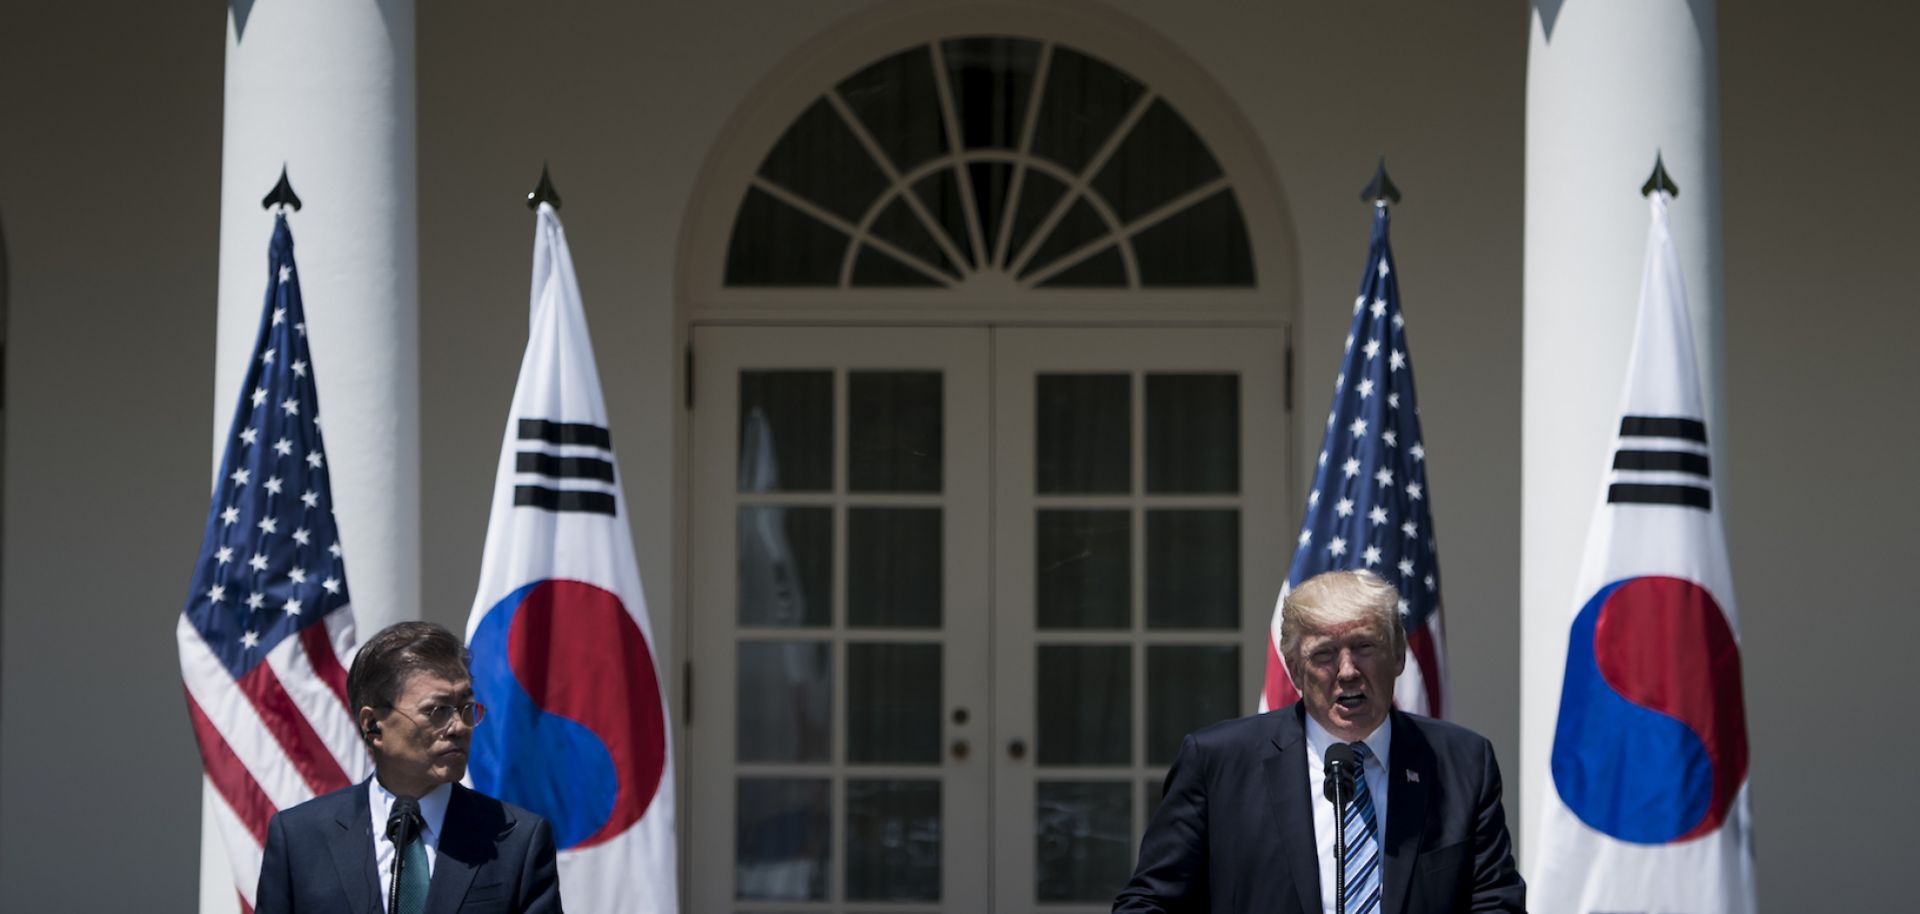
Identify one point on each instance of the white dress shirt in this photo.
(433, 809)
(1375, 771)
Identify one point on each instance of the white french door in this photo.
(956, 593)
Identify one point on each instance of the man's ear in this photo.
(369, 724)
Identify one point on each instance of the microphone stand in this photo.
(1340, 800)
(400, 831)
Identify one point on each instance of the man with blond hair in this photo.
(1244, 825)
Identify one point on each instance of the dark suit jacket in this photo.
(493, 858)
(1234, 832)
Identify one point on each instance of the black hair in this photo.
(384, 663)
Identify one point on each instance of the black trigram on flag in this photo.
(564, 466)
(1661, 461)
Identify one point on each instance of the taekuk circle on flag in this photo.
(1651, 745)
(575, 728)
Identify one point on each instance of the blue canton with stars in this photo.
(270, 563)
(1368, 508)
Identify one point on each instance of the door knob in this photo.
(1017, 749)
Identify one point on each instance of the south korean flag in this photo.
(1647, 807)
(563, 653)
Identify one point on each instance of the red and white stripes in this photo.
(278, 736)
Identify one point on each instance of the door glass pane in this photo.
(1085, 704)
(1083, 840)
(1188, 687)
(785, 691)
(783, 832)
(1082, 433)
(1084, 100)
(1083, 562)
(775, 244)
(1103, 269)
(900, 226)
(1205, 244)
(897, 102)
(894, 440)
(893, 703)
(992, 78)
(785, 565)
(894, 567)
(1193, 568)
(1038, 194)
(1160, 159)
(893, 840)
(1080, 224)
(820, 159)
(1193, 433)
(786, 431)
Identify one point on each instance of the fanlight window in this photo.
(993, 160)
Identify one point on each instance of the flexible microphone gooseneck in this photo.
(400, 825)
(1342, 766)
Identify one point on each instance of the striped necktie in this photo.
(1363, 845)
(410, 896)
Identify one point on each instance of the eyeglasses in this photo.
(440, 717)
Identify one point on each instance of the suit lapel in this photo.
(1287, 775)
(466, 844)
(1408, 777)
(352, 850)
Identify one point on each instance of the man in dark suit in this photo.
(1244, 827)
(463, 852)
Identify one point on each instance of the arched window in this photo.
(991, 160)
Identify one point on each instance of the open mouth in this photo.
(1351, 700)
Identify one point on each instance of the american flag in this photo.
(267, 630)
(1369, 507)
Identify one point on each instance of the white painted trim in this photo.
(814, 67)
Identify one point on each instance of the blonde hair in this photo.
(1336, 598)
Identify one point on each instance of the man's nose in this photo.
(1348, 669)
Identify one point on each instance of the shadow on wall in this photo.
(5, 281)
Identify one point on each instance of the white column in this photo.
(1609, 82)
(327, 88)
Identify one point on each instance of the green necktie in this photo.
(411, 895)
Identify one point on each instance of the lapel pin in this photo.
(1413, 777)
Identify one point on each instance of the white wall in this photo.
(1824, 441)
(110, 188)
(109, 179)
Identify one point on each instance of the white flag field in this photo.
(563, 653)
(1647, 805)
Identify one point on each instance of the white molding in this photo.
(817, 65)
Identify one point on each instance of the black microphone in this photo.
(400, 825)
(406, 811)
(1342, 765)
